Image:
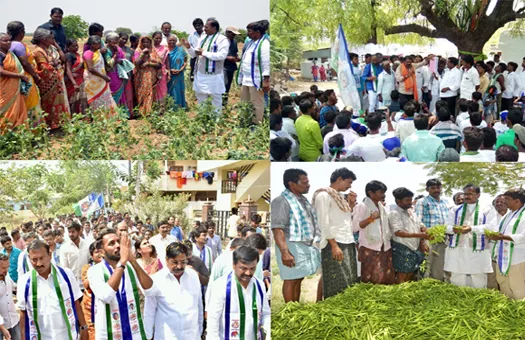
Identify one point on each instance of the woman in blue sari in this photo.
(177, 64)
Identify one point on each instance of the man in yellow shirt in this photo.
(309, 132)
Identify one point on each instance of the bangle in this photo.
(83, 328)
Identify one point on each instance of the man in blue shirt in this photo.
(370, 77)
(176, 229)
(55, 26)
(13, 254)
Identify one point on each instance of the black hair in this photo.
(473, 138)
(515, 116)
(38, 244)
(292, 175)
(214, 23)
(275, 120)
(123, 34)
(287, 100)
(472, 186)
(517, 194)
(69, 42)
(394, 95)
(468, 59)
(247, 230)
(443, 114)
(344, 173)
(14, 28)
(133, 38)
(305, 105)
(401, 193)
(94, 28)
(245, 254)
(352, 55)
(374, 120)
(161, 223)
(409, 109)
(258, 27)
(491, 63)
(175, 249)
(279, 147)
(336, 141)
(463, 105)
(75, 226)
(489, 137)
(197, 21)
(57, 10)
(433, 182)
(473, 106)
(503, 67)
(14, 232)
(454, 61)
(274, 104)
(368, 55)
(476, 95)
(237, 242)
(165, 23)
(475, 118)
(48, 233)
(156, 33)
(421, 122)
(5, 239)
(342, 121)
(257, 241)
(507, 153)
(513, 64)
(374, 186)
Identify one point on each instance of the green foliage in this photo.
(180, 34)
(126, 30)
(75, 27)
(490, 177)
(240, 38)
(138, 34)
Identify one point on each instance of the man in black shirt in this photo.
(230, 64)
(55, 26)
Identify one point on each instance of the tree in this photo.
(75, 27)
(468, 24)
(126, 30)
(180, 34)
(490, 177)
(241, 38)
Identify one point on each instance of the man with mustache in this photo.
(235, 293)
(9, 327)
(49, 299)
(116, 282)
(174, 308)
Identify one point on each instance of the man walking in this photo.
(9, 318)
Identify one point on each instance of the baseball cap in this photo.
(233, 29)
(449, 155)
(520, 132)
(503, 115)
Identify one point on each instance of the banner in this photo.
(88, 205)
(345, 78)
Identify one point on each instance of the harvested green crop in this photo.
(489, 233)
(426, 309)
(437, 234)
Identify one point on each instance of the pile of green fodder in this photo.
(426, 309)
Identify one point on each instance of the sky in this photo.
(140, 16)
(394, 175)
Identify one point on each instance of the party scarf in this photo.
(505, 248)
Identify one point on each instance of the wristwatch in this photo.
(120, 265)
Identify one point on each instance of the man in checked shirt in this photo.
(433, 210)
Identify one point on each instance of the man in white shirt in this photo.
(166, 32)
(475, 120)
(57, 311)
(88, 233)
(276, 129)
(162, 240)
(512, 87)
(74, 253)
(194, 39)
(473, 138)
(469, 79)
(231, 224)
(211, 51)
(500, 204)
(509, 251)
(467, 257)
(240, 286)
(386, 84)
(338, 249)
(173, 309)
(9, 318)
(214, 241)
(370, 148)
(223, 264)
(116, 282)
(342, 126)
(422, 81)
(254, 70)
(200, 249)
(288, 113)
(24, 265)
(450, 84)
(405, 127)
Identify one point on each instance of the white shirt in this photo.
(173, 309)
(232, 225)
(50, 320)
(500, 128)
(518, 254)
(215, 244)
(74, 257)
(289, 126)
(217, 305)
(207, 257)
(9, 317)
(386, 83)
(405, 128)
(222, 265)
(21, 269)
(370, 148)
(479, 157)
(466, 123)
(349, 136)
(104, 294)
(333, 222)
(245, 74)
(282, 133)
(194, 38)
(161, 244)
(469, 81)
(210, 83)
(462, 259)
(461, 117)
(405, 220)
(489, 154)
(512, 87)
(452, 80)
(521, 157)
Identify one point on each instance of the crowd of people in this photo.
(114, 277)
(350, 240)
(413, 109)
(56, 77)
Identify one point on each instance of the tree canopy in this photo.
(75, 27)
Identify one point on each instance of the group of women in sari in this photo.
(44, 84)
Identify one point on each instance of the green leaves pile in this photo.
(438, 232)
(426, 309)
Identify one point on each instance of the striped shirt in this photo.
(448, 132)
(432, 212)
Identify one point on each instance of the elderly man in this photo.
(386, 84)
(254, 73)
(211, 52)
(370, 77)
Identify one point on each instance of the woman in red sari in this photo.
(162, 51)
(49, 68)
(148, 68)
(76, 93)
